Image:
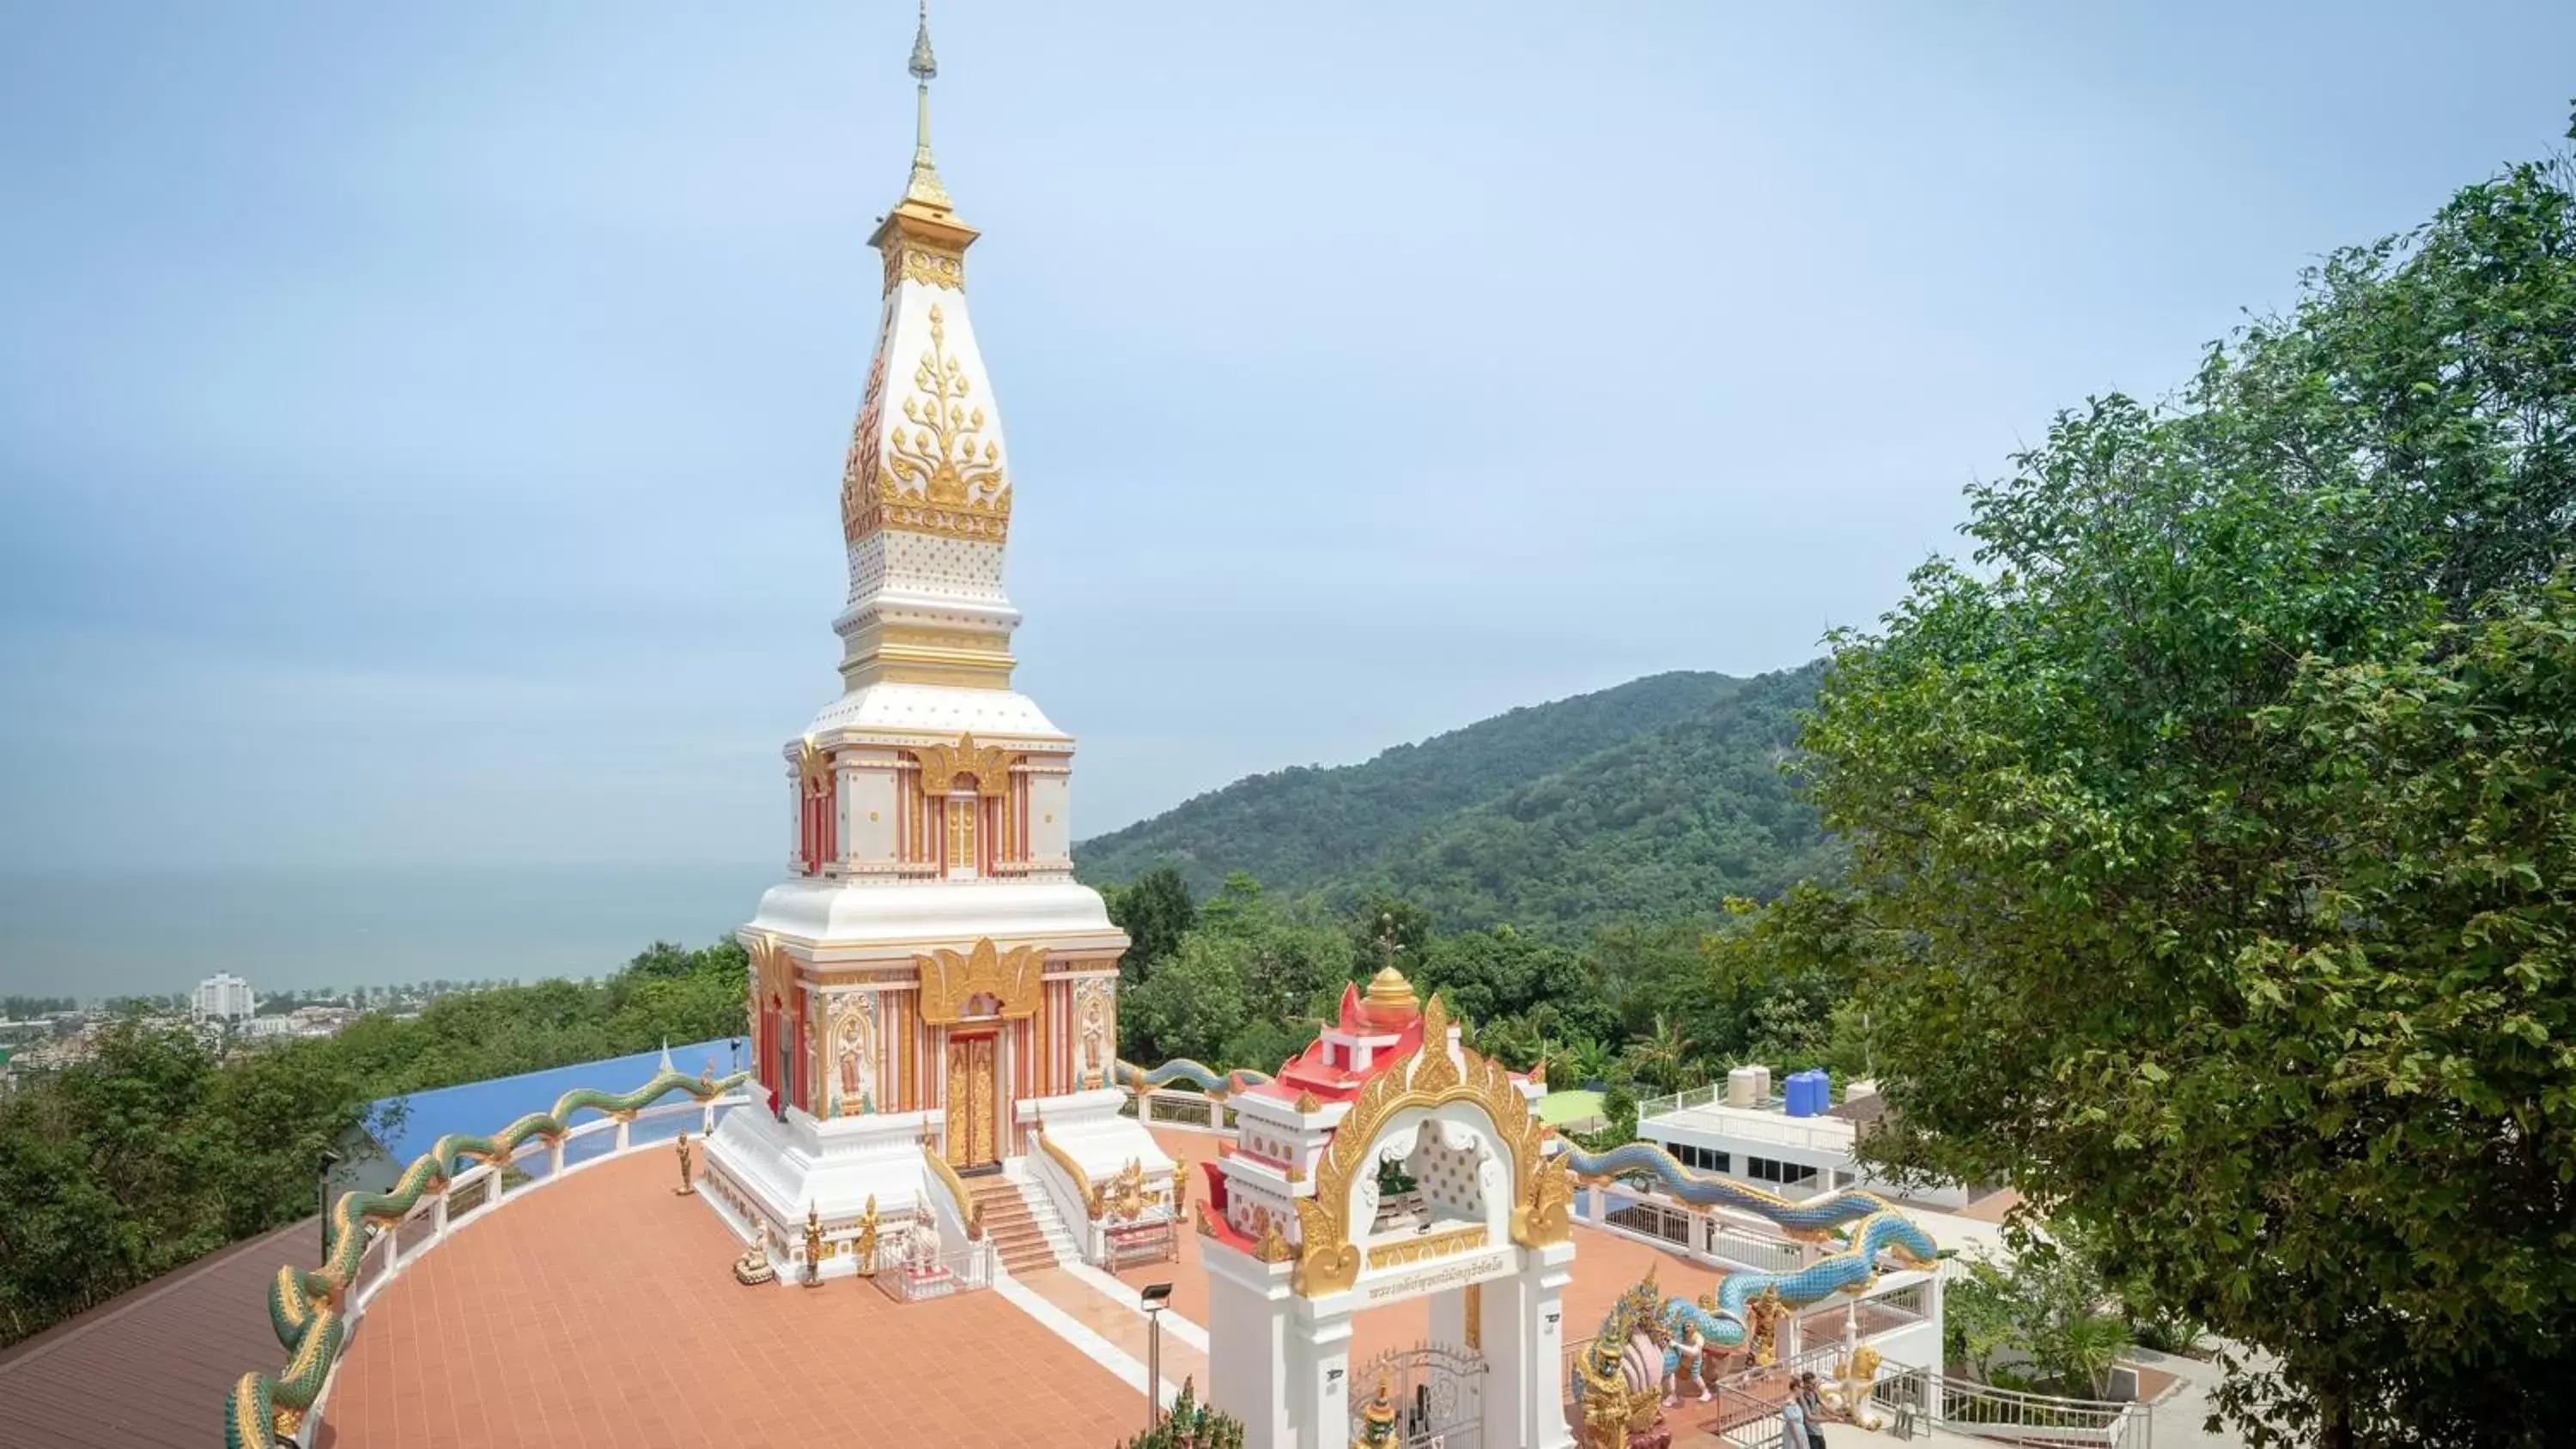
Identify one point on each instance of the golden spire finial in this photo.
(924, 188)
(1390, 996)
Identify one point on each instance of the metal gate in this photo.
(1437, 1392)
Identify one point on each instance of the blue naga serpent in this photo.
(1181, 1069)
(1875, 1228)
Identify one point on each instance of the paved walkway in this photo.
(601, 1311)
(1122, 1324)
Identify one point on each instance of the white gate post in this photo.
(1319, 1372)
(1250, 1307)
(1524, 1344)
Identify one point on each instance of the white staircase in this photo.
(1050, 1223)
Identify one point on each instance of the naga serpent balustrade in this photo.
(309, 1307)
(1876, 1228)
(1181, 1069)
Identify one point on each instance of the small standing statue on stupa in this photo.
(813, 1246)
(688, 1180)
(866, 1246)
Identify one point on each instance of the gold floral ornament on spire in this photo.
(942, 473)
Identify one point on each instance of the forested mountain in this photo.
(1649, 801)
(1294, 828)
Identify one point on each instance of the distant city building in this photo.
(223, 996)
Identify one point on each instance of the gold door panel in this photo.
(971, 1100)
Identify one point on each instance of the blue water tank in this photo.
(1810, 1093)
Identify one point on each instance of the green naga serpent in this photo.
(309, 1307)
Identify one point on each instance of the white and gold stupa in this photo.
(930, 977)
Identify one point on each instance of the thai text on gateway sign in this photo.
(1447, 1275)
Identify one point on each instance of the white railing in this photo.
(1749, 1400)
(947, 1205)
(1675, 1101)
(1127, 1244)
(1748, 1250)
(1187, 1111)
(1655, 1222)
(1964, 1406)
(1070, 1204)
(1650, 1217)
(924, 1273)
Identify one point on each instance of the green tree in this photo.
(1661, 1057)
(1155, 912)
(2221, 810)
(2047, 1304)
(1193, 1003)
(1977, 1317)
(1583, 1059)
(1494, 974)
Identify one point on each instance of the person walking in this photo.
(1794, 1429)
(1811, 1408)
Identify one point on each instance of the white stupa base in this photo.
(1087, 1126)
(763, 1174)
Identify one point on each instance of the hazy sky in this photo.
(420, 427)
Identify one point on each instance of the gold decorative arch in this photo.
(773, 973)
(1543, 1194)
(950, 979)
(813, 763)
(988, 765)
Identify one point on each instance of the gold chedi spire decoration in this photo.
(923, 188)
(926, 456)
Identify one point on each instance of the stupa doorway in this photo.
(974, 1098)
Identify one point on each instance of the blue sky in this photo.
(420, 426)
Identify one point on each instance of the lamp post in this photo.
(1157, 1296)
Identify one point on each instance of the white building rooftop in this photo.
(1769, 1121)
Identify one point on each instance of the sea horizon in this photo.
(93, 933)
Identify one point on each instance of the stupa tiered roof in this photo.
(1370, 1033)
